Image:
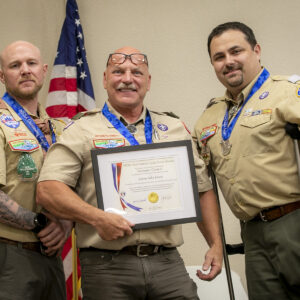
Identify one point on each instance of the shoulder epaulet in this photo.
(166, 113)
(3, 104)
(213, 101)
(86, 113)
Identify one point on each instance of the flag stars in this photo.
(79, 35)
(83, 75)
(77, 49)
(79, 61)
(77, 22)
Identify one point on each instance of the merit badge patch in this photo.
(23, 145)
(9, 121)
(106, 144)
(162, 127)
(264, 95)
(207, 132)
(298, 91)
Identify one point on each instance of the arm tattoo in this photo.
(11, 213)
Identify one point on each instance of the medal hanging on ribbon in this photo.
(26, 167)
(124, 131)
(227, 130)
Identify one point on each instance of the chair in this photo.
(217, 289)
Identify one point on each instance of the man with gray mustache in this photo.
(117, 262)
(243, 136)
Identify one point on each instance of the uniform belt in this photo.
(33, 246)
(140, 250)
(276, 212)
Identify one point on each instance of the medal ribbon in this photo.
(124, 131)
(226, 130)
(28, 121)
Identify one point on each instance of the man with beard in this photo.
(242, 135)
(117, 262)
(29, 239)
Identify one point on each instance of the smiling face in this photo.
(235, 62)
(22, 71)
(126, 83)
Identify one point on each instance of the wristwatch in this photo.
(40, 222)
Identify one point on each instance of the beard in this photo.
(26, 95)
(234, 80)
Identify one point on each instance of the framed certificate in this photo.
(150, 185)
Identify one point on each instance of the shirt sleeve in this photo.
(2, 159)
(65, 158)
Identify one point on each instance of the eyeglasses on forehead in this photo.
(135, 58)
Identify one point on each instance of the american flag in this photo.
(70, 92)
(70, 89)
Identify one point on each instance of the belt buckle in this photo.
(138, 250)
(262, 216)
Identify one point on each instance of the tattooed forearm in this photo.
(11, 213)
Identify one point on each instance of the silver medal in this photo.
(131, 128)
(226, 147)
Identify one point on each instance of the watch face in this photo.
(41, 220)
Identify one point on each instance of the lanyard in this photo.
(227, 130)
(28, 121)
(124, 131)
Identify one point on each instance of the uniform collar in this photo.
(122, 119)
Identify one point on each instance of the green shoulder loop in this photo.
(86, 113)
(166, 113)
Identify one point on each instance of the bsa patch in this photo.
(298, 91)
(106, 144)
(162, 127)
(264, 95)
(9, 121)
(23, 145)
(207, 132)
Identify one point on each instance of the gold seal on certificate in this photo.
(153, 197)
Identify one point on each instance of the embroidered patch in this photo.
(162, 127)
(23, 145)
(265, 111)
(9, 121)
(264, 95)
(20, 133)
(298, 91)
(208, 132)
(106, 144)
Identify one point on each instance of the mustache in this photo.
(232, 68)
(123, 85)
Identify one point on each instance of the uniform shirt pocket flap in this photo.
(254, 121)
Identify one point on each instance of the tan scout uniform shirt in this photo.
(261, 169)
(11, 183)
(69, 161)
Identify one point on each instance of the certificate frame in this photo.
(175, 157)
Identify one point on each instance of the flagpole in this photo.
(74, 263)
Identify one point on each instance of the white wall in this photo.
(173, 33)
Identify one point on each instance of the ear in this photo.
(104, 80)
(2, 78)
(149, 82)
(257, 50)
(45, 69)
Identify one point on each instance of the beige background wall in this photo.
(173, 33)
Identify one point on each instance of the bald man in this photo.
(117, 262)
(29, 239)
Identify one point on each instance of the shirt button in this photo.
(231, 180)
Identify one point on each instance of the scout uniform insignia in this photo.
(264, 95)
(9, 121)
(206, 133)
(111, 143)
(26, 167)
(298, 91)
(162, 127)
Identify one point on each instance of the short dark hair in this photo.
(249, 35)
